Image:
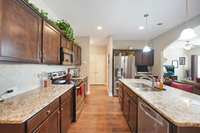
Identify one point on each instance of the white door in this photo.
(98, 68)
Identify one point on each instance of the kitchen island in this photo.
(42, 110)
(179, 110)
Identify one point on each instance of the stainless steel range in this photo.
(78, 91)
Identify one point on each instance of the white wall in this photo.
(125, 44)
(173, 53)
(165, 39)
(41, 5)
(24, 77)
(84, 42)
(109, 54)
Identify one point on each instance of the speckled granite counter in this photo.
(20, 108)
(179, 107)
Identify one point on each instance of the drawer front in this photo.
(37, 119)
(65, 96)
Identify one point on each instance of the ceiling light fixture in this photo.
(141, 27)
(146, 48)
(188, 46)
(188, 33)
(99, 28)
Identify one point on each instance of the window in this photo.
(198, 67)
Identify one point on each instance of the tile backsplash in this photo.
(24, 77)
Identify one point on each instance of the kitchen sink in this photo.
(145, 87)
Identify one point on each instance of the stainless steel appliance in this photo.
(124, 67)
(75, 72)
(66, 56)
(150, 121)
(59, 78)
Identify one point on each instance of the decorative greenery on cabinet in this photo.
(65, 27)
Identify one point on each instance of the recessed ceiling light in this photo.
(99, 28)
(141, 27)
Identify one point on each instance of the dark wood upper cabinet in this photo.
(51, 44)
(142, 58)
(79, 55)
(138, 57)
(66, 43)
(20, 32)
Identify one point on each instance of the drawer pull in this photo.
(61, 109)
(48, 112)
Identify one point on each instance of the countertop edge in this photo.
(7, 122)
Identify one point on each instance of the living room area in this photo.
(181, 64)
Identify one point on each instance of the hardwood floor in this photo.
(101, 114)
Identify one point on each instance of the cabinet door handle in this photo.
(61, 109)
(48, 112)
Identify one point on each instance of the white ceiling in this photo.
(121, 18)
(195, 41)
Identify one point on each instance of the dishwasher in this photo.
(150, 121)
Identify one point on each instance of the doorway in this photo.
(97, 65)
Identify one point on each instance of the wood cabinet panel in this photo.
(43, 128)
(148, 58)
(66, 43)
(126, 105)
(142, 58)
(41, 116)
(77, 54)
(20, 32)
(50, 125)
(51, 44)
(130, 108)
(54, 122)
(138, 57)
(66, 113)
(133, 116)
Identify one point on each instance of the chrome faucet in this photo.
(151, 78)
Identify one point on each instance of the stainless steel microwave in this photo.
(66, 56)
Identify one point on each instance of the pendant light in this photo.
(146, 48)
(188, 33)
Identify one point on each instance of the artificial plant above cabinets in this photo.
(62, 25)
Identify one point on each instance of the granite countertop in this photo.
(179, 107)
(20, 108)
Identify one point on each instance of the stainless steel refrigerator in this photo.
(124, 67)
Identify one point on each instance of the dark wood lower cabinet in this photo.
(126, 106)
(132, 116)
(66, 115)
(54, 122)
(51, 125)
(43, 128)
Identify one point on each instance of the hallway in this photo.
(101, 114)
